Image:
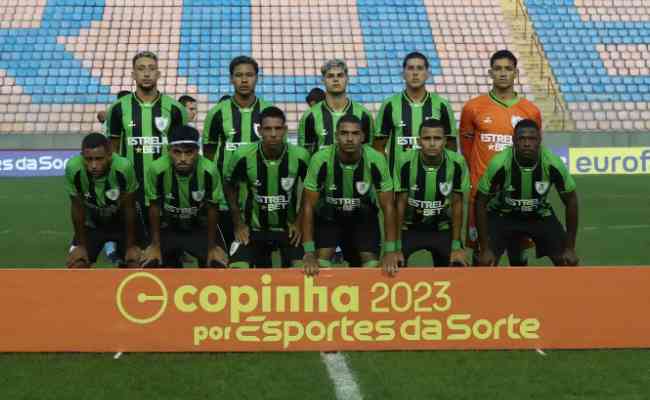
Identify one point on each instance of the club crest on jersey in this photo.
(161, 123)
(113, 194)
(287, 183)
(198, 195)
(541, 187)
(515, 120)
(362, 187)
(445, 188)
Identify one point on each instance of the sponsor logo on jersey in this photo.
(113, 194)
(427, 208)
(147, 144)
(344, 203)
(496, 141)
(272, 203)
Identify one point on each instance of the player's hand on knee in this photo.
(295, 235)
(310, 264)
(217, 257)
(78, 258)
(151, 256)
(486, 258)
(242, 234)
(133, 256)
(458, 258)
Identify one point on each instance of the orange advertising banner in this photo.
(341, 309)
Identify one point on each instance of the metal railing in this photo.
(536, 48)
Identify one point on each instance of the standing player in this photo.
(318, 123)
(512, 200)
(486, 128)
(401, 115)
(430, 185)
(272, 170)
(139, 123)
(101, 186)
(344, 185)
(190, 105)
(231, 123)
(183, 192)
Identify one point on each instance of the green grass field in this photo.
(614, 230)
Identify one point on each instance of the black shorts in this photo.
(357, 235)
(547, 233)
(97, 238)
(438, 243)
(263, 243)
(173, 243)
(227, 229)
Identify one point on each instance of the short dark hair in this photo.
(243, 60)
(315, 95)
(503, 54)
(184, 99)
(145, 54)
(273, 112)
(415, 54)
(431, 123)
(123, 93)
(348, 118)
(526, 123)
(95, 140)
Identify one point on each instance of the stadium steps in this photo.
(539, 70)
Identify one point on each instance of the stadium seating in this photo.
(63, 60)
(598, 51)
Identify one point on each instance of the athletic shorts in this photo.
(438, 243)
(173, 243)
(547, 233)
(263, 243)
(357, 235)
(97, 238)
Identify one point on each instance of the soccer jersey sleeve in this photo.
(151, 192)
(216, 194)
(493, 178)
(467, 131)
(179, 115)
(114, 120)
(71, 171)
(381, 177)
(129, 174)
(307, 138)
(213, 126)
(317, 172)
(235, 172)
(367, 125)
(461, 176)
(560, 176)
(448, 119)
(384, 122)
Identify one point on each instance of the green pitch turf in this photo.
(614, 230)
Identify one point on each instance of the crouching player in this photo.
(101, 186)
(272, 170)
(430, 184)
(183, 192)
(345, 183)
(512, 200)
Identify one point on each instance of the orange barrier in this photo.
(342, 309)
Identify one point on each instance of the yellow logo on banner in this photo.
(609, 160)
(142, 298)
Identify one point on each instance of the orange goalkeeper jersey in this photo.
(486, 127)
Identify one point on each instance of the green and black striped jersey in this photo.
(430, 188)
(318, 124)
(183, 199)
(143, 128)
(348, 189)
(399, 121)
(524, 190)
(101, 195)
(272, 184)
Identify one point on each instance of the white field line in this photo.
(345, 385)
(616, 227)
